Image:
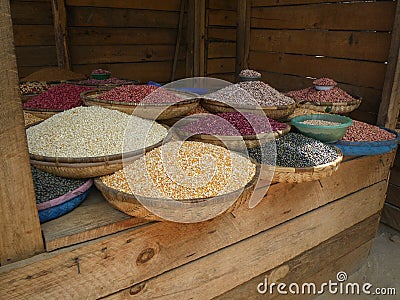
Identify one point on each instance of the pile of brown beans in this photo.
(364, 132)
(249, 73)
(140, 93)
(334, 95)
(325, 82)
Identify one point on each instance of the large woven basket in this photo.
(42, 112)
(274, 112)
(235, 143)
(159, 111)
(87, 167)
(297, 175)
(329, 107)
(182, 210)
(103, 86)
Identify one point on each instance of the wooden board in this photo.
(171, 5)
(145, 71)
(222, 4)
(93, 219)
(395, 176)
(221, 34)
(220, 65)
(38, 56)
(20, 235)
(361, 73)
(231, 77)
(289, 2)
(344, 16)
(345, 251)
(82, 55)
(151, 250)
(109, 17)
(222, 18)
(393, 195)
(94, 36)
(61, 34)
(348, 44)
(31, 13)
(391, 216)
(38, 35)
(221, 49)
(239, 263)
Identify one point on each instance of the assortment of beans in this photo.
(233, 124)
(325, 82)
(334, 95)
(34, 87)
(108, 81)
(249, 73)
(320, 122)
(251, 93)
(296, 151)
(60, 97)
(90, 132)
(140, 93)
(31, 119)
(186, 170)
(48, 186)
(364, 132)
(101, 71)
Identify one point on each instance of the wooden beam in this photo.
(61, 33)
(20, 234)
(178, 38)
(243, 34)
(389, 108)
(199, 37)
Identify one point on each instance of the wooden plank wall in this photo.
(33, 35)
(132, 39)
(348, 41)
(220, 40)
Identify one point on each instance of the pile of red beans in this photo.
(233, 124)
(59, 97)
(334, 95)
(140, 93)
(111, 80)
(325, 82)
(364, 132)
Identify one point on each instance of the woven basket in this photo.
(160, 111)
(297, 175)
(176, 209)
(88, 166)
(274, 112)
(42, 112)
(334, 108)
(103, 86)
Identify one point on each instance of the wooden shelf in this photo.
(94, 218)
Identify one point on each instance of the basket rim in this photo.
(295, 121)
(87, 99)
(263, 107)
(101, 186)
(107, 85)
(373, 143)
(327, 166)
(357, 101)
(44, 110)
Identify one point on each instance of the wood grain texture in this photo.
(373, 46)
(242, 35)
(109, 17)
(361, 73)
(95, 36)
(31, 13)
(222, 18)
(220, 65)
(221, 34)
(239, 263)
(172, 5)
(221, 49)
(38, 56)
(393, 195)
(93, 219)
(342, 16)
(391, 216)
(61, 34)
(289, 2)
(344, 251)
(19, 222)
(39, 35)
(389, 109)
(154, 249)
(222, 4)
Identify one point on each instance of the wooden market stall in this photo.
(303, 232)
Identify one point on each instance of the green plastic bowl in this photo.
(327, 134)
(100, 76)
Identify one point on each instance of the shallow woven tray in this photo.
(274, 112)
(175, 209)
(42, 112)
(334, 108)
(88, 166)
(234, 143)
(103, 86)
(297, 175)
(159, 111)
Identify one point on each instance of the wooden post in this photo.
(61, 33)
(178, 38)
(20, 234)
(190, 39)
(389, 108)
(199, 37)
(242, 35)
